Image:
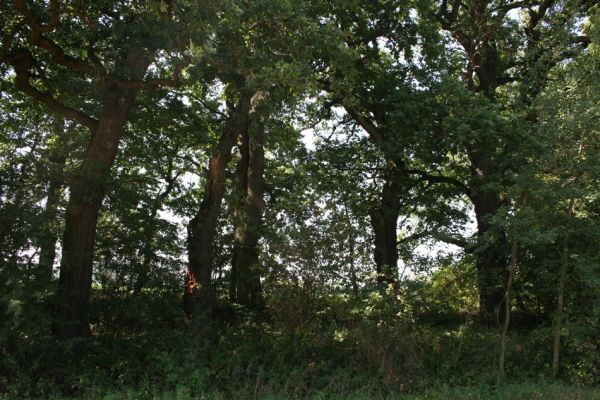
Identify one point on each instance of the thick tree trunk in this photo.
(384, 220)
(87, 190)
(491, 255)
(245, 283)
(198, 294)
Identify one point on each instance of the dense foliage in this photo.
(284, 199)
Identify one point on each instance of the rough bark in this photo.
(384, 220)
(198, 294)
(87, 186)
(245, 278)
(87, 190)
(484, 73)
(491, 254)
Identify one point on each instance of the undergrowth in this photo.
(316, 347)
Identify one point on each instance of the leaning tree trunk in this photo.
(245, 278)
(384, 220)
(87, 191)
(202, 229)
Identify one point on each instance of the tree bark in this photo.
(202, 229)
(239, 199)
(384, 220)
(491, 261)
(87, 191)
(49, 235)
(245, 282)
(491, 254)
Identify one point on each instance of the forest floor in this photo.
(327, 347)
(524, 391)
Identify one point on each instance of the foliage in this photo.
(468, 127)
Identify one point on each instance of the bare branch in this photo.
(456, 241)
(438, 235)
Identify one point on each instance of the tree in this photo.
(492, 62)
(374, 73)
(269, 63)
(97, 57)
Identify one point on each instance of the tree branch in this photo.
(424, 176)
(368, 125)
(439, 236)
(24, 60)
(511, 6)
(151, 84)
(456, 241)
(37, 38)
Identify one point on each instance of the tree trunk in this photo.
(384, 220)
(245, 283)
(560, 308)
(490, 263)
(491, 260)
(351, 249)
(87, 190)
(507, 308)
(203, 227)
(49, 235)
(239, 213)
(508, 299)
